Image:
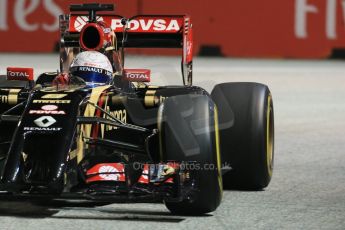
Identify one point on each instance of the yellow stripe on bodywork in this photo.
(89, 112)
(80, 147)
(105, 106)
(219, 162)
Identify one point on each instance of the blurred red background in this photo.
(267, 28)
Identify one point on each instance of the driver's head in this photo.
(93, 67)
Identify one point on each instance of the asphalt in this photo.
(308, 186)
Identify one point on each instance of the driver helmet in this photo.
(93, 67)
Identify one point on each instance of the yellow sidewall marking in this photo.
(269, 147)
(219, 162)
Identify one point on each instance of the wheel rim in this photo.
(270, 136)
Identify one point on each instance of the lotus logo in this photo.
(45, 121)
(81, 21)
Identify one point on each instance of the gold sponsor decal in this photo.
(3, 99)
(153, 86)
(118, 114)
(13, 96)
(54, 96)
(52, 101)
(151, 99)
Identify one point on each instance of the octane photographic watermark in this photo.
(187, 166)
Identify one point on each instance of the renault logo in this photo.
(45, 121)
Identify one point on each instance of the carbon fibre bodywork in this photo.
(51, 136)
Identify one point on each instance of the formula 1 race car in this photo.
(97, 131)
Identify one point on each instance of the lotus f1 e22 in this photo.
(98, 131)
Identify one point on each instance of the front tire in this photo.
(188, 133)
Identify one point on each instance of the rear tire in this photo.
(188, 132)
(246, 122)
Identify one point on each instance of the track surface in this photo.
(308, 186)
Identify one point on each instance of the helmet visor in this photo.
(92, 75)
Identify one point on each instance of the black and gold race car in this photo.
(68, 136)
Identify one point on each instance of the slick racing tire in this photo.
(188, 133)
(246, 127)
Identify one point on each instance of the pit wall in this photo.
(269, 28)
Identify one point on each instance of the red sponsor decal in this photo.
(21, 74)
(170, 180)
(144, 178)
(137, 75)
(106, 172)
(142, 24)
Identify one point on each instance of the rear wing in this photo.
(141, 31)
